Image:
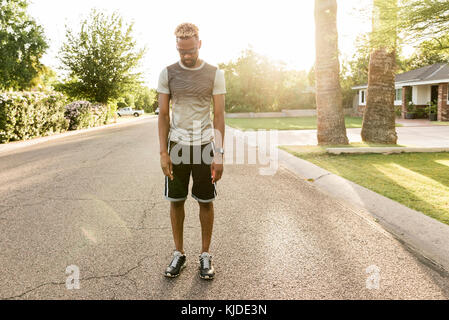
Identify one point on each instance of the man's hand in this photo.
(217, 168)
(166, 165)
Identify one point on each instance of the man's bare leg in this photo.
(207, 224)
(177, 215)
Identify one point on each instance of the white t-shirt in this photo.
(191, 91)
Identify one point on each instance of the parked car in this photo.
(129, 112)
(156, 112)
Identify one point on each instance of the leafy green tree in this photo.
(129, 100)
(358, 66)
(257, 84)
(421, 19)
(101, 59)
(251, 83)
(354, 71)
(22, 44)
(141, 98)
(146, 99)
(311, 77)
(432, 51)
(294, 91)
(46, 79)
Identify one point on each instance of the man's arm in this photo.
(164, 121)
(219, 127)
(164, 129)
(219, 119)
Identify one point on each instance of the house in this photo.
(421, 86)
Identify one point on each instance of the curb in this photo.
(22, 144)
(386, 150)
(424, 235)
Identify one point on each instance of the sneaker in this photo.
(206, 269)
(178, 263)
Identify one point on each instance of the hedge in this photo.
(83, 114)
(26, 115)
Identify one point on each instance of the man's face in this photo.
(189, 51)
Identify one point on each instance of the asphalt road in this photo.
(95, 200)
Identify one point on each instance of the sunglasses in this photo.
(187, 52)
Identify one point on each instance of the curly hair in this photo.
(187, 31)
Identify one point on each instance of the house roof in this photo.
(428, 74)
(437, 71)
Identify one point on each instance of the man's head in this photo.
(188, 43)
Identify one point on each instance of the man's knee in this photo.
(206, 205)
(178, 204)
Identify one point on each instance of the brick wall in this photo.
(359, 111)
(406, 97)
(443, 108)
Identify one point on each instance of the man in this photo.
(187, 145)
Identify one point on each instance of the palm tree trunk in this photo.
(331, 120)
(379, 118)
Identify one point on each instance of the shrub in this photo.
(149, 109)
(146, 99)
(420, 112)
(432, 108)
(111, 112)
(121, 105)
(26, 115)
(240, 108)
(411, 107)
(83, 114)
(398, 110)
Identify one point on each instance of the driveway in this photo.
(95, 201)
(432, 136)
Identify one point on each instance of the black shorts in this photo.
(191, 160)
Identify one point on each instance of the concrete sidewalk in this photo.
(435, 136)
(416, 122)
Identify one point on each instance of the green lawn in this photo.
(417, 180)
(441, 123)
(287, 123)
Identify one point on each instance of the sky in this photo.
(281, 29)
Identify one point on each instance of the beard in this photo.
(190, 63)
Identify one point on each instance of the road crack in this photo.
(120, 275)
(82, 199)
(326, 174)
(146, 211)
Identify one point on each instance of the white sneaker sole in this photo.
(207, 277)
(169, 275)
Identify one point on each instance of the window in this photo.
(398, 95)
(362, 96)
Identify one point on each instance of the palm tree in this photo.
(331, 120)
(379, 119)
